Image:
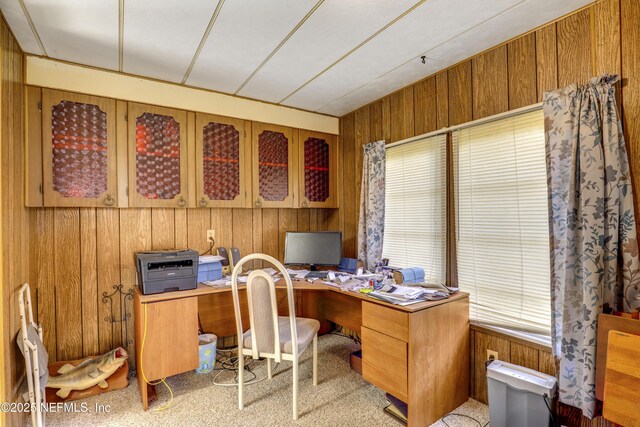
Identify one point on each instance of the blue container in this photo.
(207, 353)
(209, 271)
(412, 275)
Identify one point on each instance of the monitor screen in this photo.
(313, 247)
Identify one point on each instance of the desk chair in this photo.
(271, 336)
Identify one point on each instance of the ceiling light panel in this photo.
(244, 34)
(160, 38)
(511, 23)
(433, 23)
(20, 26)
(82, 31)
(333, 30)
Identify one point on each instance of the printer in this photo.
(166, 271)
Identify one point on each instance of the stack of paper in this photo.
(405, 295)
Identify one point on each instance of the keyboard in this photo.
(317, 275)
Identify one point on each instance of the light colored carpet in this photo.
(342, 398)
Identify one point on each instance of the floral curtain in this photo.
(371, 224)
(594, 251)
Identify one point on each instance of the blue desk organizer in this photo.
(412, 275)
(209, 271)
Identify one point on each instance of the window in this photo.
(502, 228)
(415, 216)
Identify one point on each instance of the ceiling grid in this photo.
(327, 56)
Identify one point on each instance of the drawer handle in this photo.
(305, 204)
(258, 203)
(108, 201)
(182, 202)
(203, 202)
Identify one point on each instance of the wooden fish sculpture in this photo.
(88, 373)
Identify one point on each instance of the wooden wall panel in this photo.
(348, 220)
(630, 52)
(80, 254)
(109, 264)
(89, 280)
(574, 49)
(607, 37)
(460, 94)
(490, 83)
(425, 105)
(442, 100)
(380, 120)
(546, 59)
(402, 118)
(521, 56)
(362, 137)
(15, 219)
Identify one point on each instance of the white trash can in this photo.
(519, 396)
(207, 353)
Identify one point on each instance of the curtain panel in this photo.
(594, 250)
(371, 221)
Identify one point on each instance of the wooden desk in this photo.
(418, 353)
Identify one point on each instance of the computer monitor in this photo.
(313, 248)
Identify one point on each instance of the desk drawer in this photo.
(384, 362)
(387, 320)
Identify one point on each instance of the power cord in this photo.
(211, 245)
(169, 404)
(465, 416)
(230, 364)
(545, 397)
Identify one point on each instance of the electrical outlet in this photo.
(492, 355)
(211, 236)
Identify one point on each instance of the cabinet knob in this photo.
(182, 202)
(305, 204)
(203, 202)
(258, 203)
(108, 201)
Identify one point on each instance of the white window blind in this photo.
(502, 226)
(415, 228)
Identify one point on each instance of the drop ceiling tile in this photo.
(244, 35)
(82, 31)
(20, 26)
(334, 29)
(517, 20)
(433, 23)
(160, 38)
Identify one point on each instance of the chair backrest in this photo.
(263, 309)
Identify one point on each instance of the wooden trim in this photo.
(63, 75)
(122, 154)
(135, 199)
(241, 200)
(50, 98)
(33, 147)
(510, 337)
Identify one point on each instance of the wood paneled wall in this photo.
(79, 253)
(603, 38)
(14, 217)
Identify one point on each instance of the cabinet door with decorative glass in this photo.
(78, 150)
(317, 170)
(223, 173)
(274, 166)
(157, 156)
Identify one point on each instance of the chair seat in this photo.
(306, 329)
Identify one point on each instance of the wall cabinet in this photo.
(317, 170)
(274, 166)
(88, 151)
(157, 156)
(223, 170)
(78, 150)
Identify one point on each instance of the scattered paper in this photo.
(204, 259)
